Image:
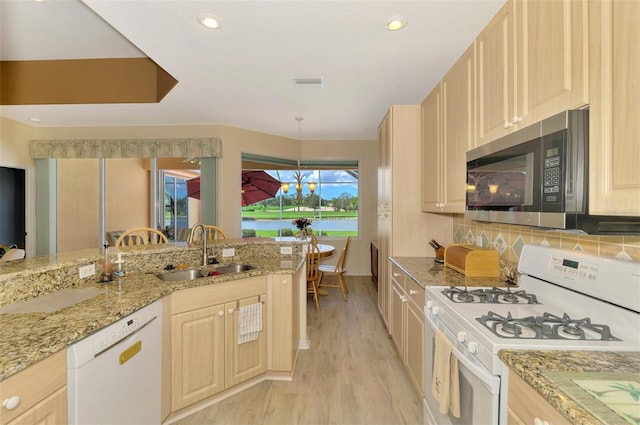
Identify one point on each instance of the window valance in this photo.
(126, 148)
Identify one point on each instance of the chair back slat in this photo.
(141, 236)
(342, 261)
(214, 233)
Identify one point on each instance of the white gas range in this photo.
(565, 301)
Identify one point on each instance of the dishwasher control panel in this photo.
(99, 341)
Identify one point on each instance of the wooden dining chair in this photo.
(214, 233)
(313, 275)
(338, 271)
(141, 236)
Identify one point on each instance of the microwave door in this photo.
(506, 180)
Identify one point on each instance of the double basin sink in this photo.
(191, 274)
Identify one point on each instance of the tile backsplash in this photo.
(509, 240)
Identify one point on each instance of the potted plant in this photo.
(302, 224)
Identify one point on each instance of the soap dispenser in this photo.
(106, 268)
(119, 271)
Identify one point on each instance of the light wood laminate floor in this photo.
(350, 375)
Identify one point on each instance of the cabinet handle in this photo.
(231, 311)
(221, 313)
(404, 299)
(412, 292)
(11, 402)
(516, 120)
(284, 281)
(396, 274)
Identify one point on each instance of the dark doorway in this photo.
(12, 207)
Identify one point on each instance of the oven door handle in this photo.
(490, 381)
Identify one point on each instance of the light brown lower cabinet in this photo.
(206, 356)
(527, 407)
(40, 392)
(407, 324)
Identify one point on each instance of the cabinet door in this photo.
(432, 166)
(495, 76)
(614, 139)
(458, 121)
(552, 60)
(384, 212)
(414, 343)
(284, 337)
(50, 411)
(244, 361)
(397, 316)
(384, 162)
(197, 355)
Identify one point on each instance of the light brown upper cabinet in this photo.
(531, 63)
(614, 139)
(448, 131)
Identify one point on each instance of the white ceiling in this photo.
(242, 74)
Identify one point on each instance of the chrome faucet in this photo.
(205, 255)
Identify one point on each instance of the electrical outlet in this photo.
(286, 264)
(229, 252)
(479, 241)
(284, 250)
(87, 271)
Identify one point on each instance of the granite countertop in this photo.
(425, 271)
(27, 338)
(575, 382)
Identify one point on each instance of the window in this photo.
(176, 205)
(327, 196)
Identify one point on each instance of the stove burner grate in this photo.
(489, 296)
(547, 326)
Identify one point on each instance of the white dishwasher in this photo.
(113, 375)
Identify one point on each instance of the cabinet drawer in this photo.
(218, 293)
(526, 404)
(398, 275)
(415, 292)
(33, 384)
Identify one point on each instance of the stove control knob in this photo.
(429, 304)
(472, 347)
(462, 336)
(435, 310)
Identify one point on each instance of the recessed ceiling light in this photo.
(395, 23)
(209, 20)
(34, 119)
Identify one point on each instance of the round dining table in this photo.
(326, 250)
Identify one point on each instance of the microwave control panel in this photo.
(553, 172)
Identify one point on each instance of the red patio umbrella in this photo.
(256, 186)
(193, 188)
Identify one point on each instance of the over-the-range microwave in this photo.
(538, 176)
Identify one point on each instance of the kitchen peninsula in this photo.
(31, 337)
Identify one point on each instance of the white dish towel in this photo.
(446, 383)
(249, 322)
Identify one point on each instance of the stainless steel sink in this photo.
(188, 274)
(191, 274)
(234, 268)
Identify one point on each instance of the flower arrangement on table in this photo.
(302, 224)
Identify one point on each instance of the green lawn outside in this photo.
(273, 213)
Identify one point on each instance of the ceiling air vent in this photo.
(311, 82)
